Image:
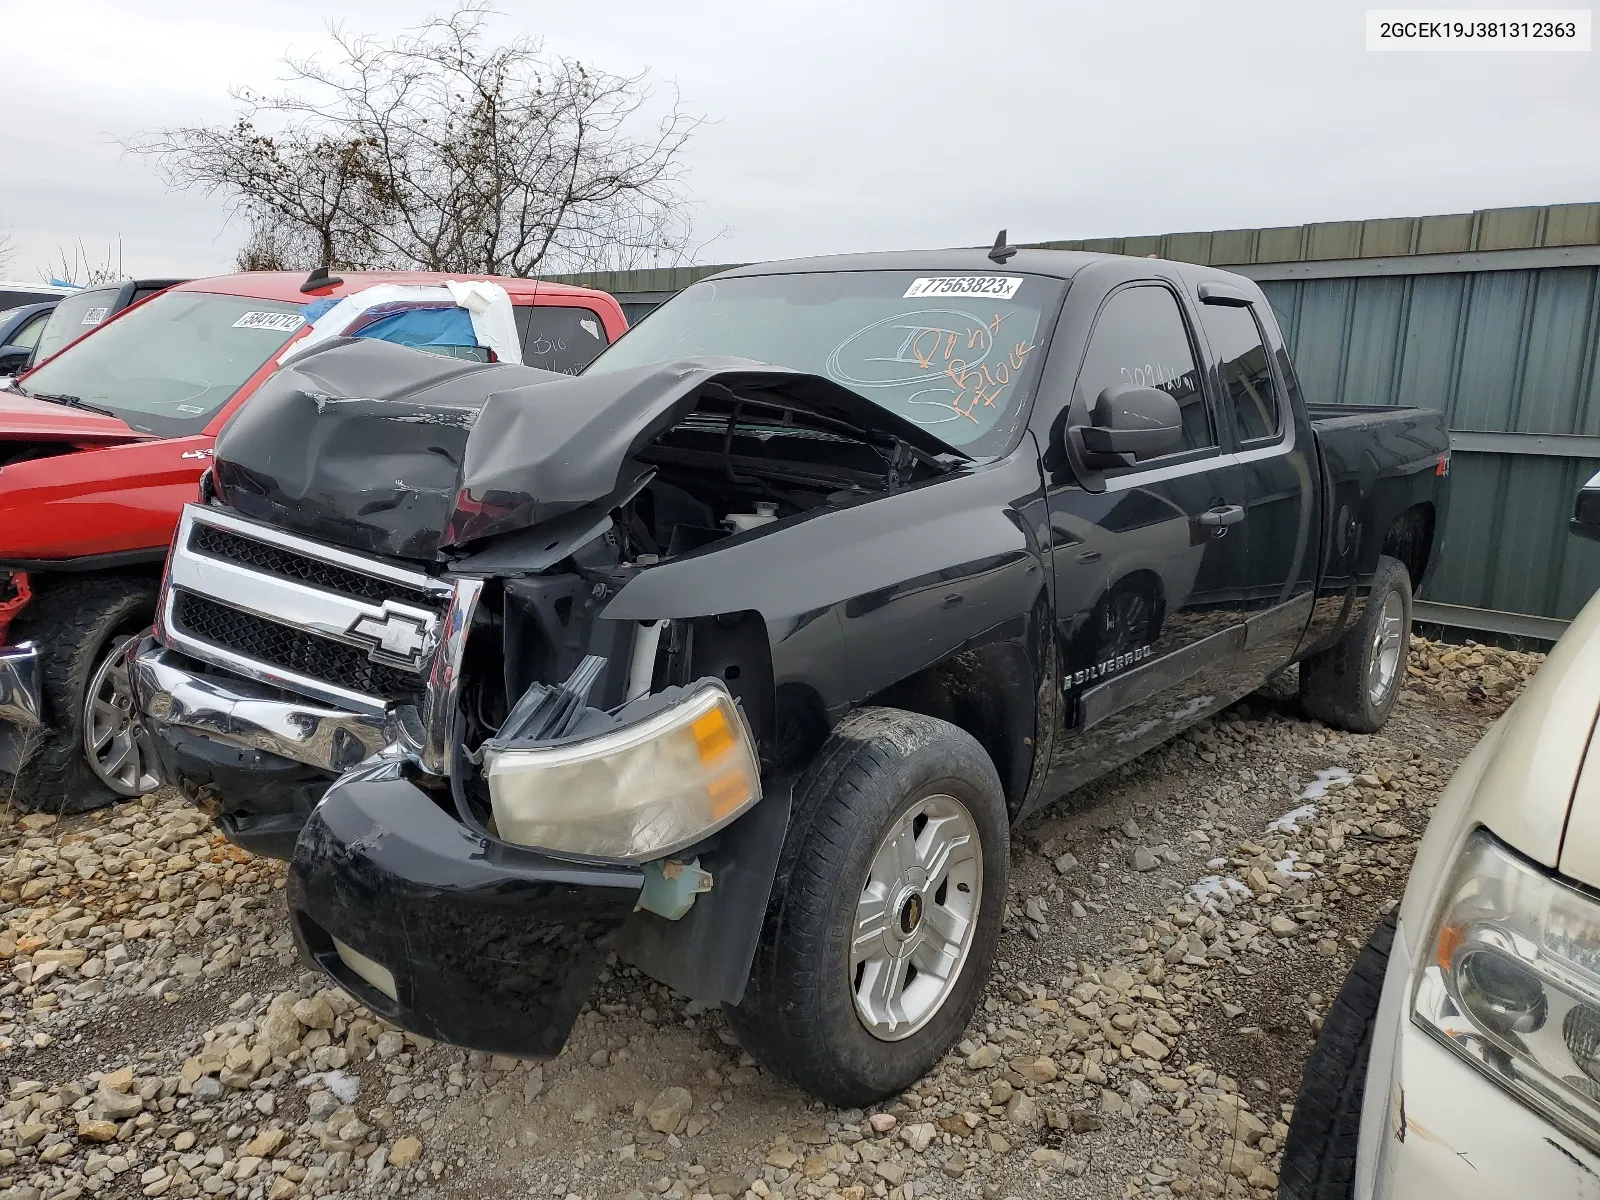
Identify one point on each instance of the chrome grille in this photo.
(378, 642)
(290, 649)
(282, 563)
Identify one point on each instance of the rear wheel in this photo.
(94, 752)
(886, 914)
(1353, 684)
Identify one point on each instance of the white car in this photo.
(1461, 1058)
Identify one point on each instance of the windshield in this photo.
(73, 317)
(170, 364)
(956, 353)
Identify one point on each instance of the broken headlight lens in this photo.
(639, 792)
(1511, 982)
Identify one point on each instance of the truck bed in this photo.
(1377, 440)
(1383, 468)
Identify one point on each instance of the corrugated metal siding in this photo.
(1451, 233)
(1497, 352)
(1506, 544)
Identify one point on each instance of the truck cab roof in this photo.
(1056, 264)
(285, 285)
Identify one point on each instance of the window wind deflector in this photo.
(1225, 295)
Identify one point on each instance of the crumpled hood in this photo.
(383, 449)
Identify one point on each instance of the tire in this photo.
(881, 771)
(1337, 686)
(1319, 1155)
(77, 627)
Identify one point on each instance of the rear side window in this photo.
(73, 317)
(559, 339)
(28, 336)
(1141, 338)
(1246, 373)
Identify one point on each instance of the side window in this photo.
(1140, 338)
(559, 339)
(28, 336)
(1246, 373)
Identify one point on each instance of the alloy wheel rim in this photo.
(1388, 648)
(916, 916)
(113, 739)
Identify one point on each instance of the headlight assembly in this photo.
(637, 792)
(1511, 981)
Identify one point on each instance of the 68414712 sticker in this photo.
(988, 287)
(273, 322)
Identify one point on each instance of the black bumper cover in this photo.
(491, 947)
(265, 799)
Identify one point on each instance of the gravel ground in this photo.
(1175, 933)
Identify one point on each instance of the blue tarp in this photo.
(422, 328)
(436, 327)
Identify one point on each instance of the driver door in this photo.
(1146, 571)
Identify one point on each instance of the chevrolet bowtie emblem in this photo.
(394, 636)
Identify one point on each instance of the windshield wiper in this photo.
(70, 401)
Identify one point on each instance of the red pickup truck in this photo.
(103, 444)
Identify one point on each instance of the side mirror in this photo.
(13, 359)
(1585, 520)
(1132, 420)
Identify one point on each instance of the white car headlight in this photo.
(1510, 980)
(639, 792)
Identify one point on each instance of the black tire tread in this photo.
(1333, 682)
(1319, 1155)
(778, 1020)
(71, 623)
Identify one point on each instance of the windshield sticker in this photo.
(592, 328)
(990, 287)
(273, 322)
(94, 316)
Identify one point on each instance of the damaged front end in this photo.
(399, 671)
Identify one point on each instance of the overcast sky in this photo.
(842, 125)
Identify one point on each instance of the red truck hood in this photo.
(25, 419)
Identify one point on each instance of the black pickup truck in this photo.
(740, 653)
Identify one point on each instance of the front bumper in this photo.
(21, 704)
(257, 758)
(457, 938)
(1432, 1125)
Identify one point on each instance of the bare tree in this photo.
(274, 245)
(439, 151)
(82, 271)
(8, 248)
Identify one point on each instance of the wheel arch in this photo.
(987, 691)
(1409, 538)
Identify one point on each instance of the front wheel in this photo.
(94, 753)
(1319, 1158)
(886, 915)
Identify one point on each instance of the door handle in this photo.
(1223, 515)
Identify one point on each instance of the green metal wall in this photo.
(1499, 352)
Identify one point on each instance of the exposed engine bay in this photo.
(527, 502)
